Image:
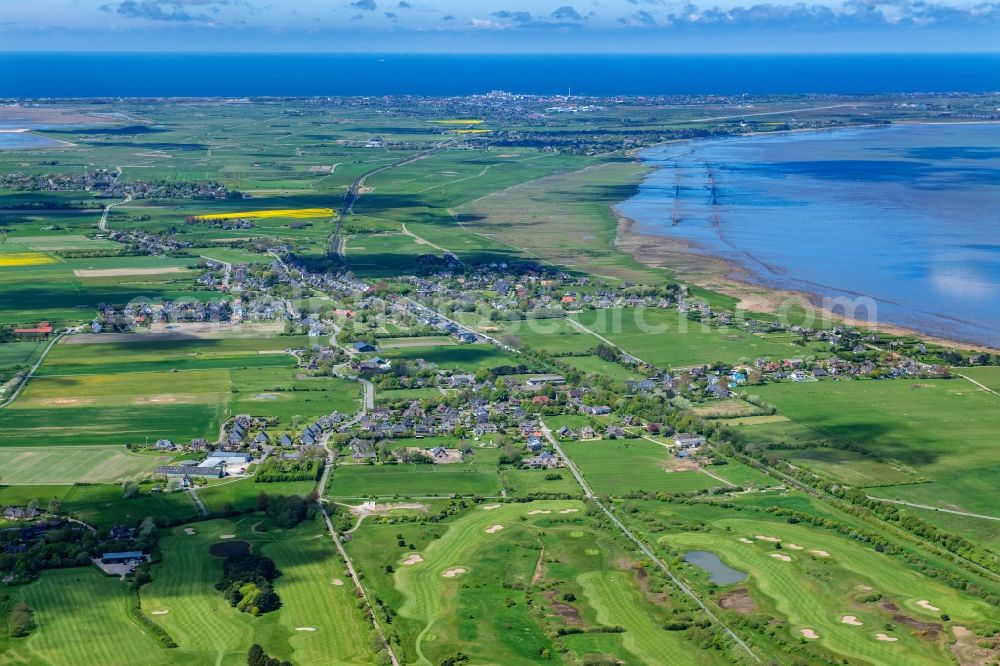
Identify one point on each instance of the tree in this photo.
(54, 505)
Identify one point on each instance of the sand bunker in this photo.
(189, 530)
(160, 612)
(412, 558)
(886, 637)
(851, 620)
(538, 511)
(820, 553)
(569, 511)
(305, 628)
(337, 582)
(809, 633)
(490, 507)
(494, 529)
(746, 540)
(926, 605)
(767, 538)
(454, 571)
(793, 546)
(781, 556)
(227, 536)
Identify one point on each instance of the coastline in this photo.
(713, 273)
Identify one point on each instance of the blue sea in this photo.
(257, 74)
(907, 215)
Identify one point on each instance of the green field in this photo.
(666, 339)
(412, 480)
(616, 467)
(104, 505)
(70, 464)
(941, 429)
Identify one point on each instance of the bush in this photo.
(20, 620)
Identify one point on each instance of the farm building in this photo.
(540, 380)
(124, 557)
(190, 470)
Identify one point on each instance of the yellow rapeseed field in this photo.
(471, 131)
(296, 213)
(26, 259)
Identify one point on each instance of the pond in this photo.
(719, 572)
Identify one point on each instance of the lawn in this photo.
(526, 482)
(209, 630)
(83, 617)
(812, 591)
(942, 429)
(519, 573)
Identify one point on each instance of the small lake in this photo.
(719, 572)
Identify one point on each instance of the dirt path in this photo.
(584, 329)
(933, 508)
(728, 484)
(982, 386)
(424, 241)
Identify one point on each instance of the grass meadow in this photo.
(941, 429)
(666, 339)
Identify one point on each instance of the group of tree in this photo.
(287, 510)
(247, 583)
(274, 470)
(257, 657)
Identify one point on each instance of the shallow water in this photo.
(719, 572)
(25, 141)
(906, 215)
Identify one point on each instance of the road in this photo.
(774, 113)
(589, 494)
(321, 488)
(354, 191)
(103, 225)
(197, 500)
(24, 382)
(420, 306)
(227, 270)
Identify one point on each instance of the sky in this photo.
(502, 26)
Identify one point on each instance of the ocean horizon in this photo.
(903, 215)
(107, 74)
